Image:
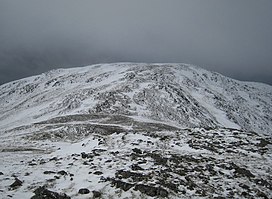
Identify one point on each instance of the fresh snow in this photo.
(136, 130)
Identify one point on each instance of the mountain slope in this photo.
(184, 95)
(129, 130)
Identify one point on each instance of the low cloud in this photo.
(230, 37)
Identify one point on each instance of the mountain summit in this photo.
(179, 94)
(135, 130)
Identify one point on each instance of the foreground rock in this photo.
(43, 193)
(17, 183)
(84, 191)
(96, 194)
(187, 163)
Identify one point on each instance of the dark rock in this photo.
(135, 167)
(164, 138)
(17, 183)
(243, 172)
(172, 186)
(83, 191)
(135, 176)
(51, 180)
(42, 161)
(97, 152)
(85, 163)
(84, 155)
(158, 159)
(103, 179)
(122, 185)
(230, 194)
(244, 186)
(244, 194)
(62, 172)
(136, 150)
(190, 184)
(142, 162)
(1, 173)
(263, 143)
(53, 159)
(43, 193)
(226, 166)
(210, 168)
(98, 173)
(151, 191)
(201, 192)
(96, 194)
(48, 172)
(264, 183)
(262, 195)
(181, 172)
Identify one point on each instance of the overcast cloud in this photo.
(232, 37)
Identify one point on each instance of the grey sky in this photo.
(233, 37)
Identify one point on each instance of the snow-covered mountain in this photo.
(183, 95)
(128, 130)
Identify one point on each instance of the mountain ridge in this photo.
(174, 85)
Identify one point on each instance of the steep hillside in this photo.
(183, 95)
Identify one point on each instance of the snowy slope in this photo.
(129, 130)
(184, 95)
(188, 163)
